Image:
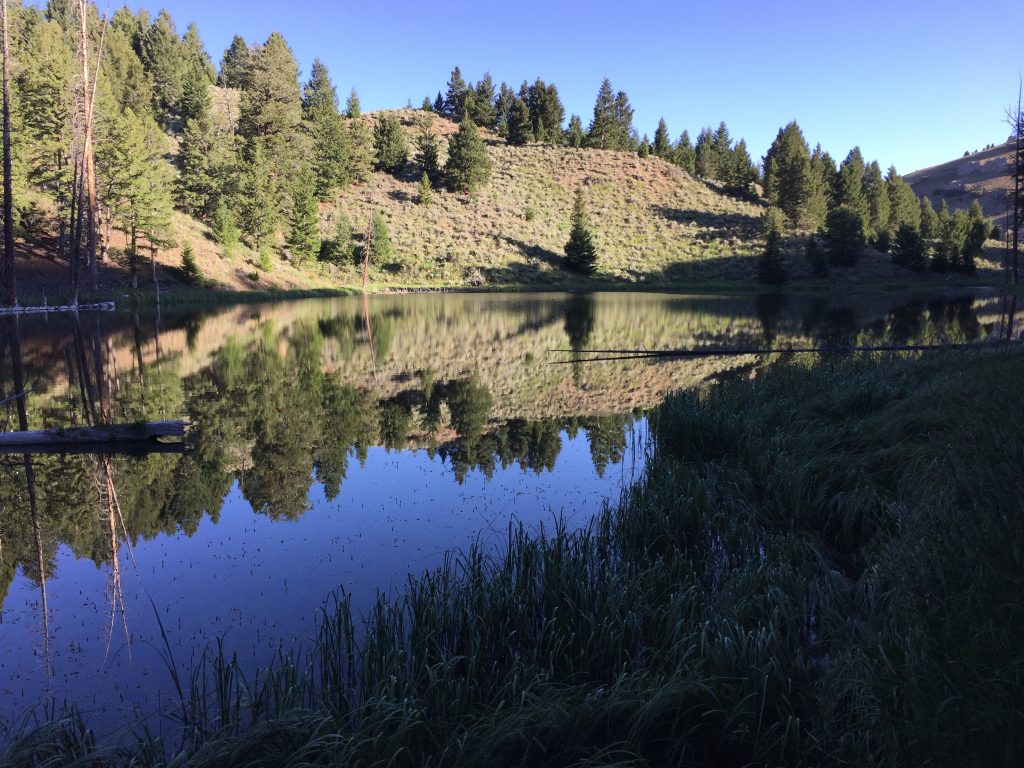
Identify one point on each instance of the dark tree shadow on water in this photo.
(580, 312)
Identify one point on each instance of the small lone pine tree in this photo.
(645, 148)
(580, 253)
(189, 268)
(425, 193)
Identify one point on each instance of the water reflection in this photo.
(425, 418)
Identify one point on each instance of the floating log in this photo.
(115, 433)
(108, 448)
(102, 306)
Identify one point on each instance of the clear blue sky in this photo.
(913, 83)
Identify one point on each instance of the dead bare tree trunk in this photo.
(10, 287)
(88, 165)
(74, 233)
(1016, 119)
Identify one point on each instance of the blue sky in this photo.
(912, 83)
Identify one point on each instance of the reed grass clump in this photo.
(823, 565)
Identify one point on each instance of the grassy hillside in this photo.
(982, 176)
(654, 226)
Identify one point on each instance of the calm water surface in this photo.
(337, 443)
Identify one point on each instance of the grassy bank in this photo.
(822, 566)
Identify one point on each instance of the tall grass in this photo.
(821, 566)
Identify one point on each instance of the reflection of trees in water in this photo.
(769, 308)
(580, 318)
(275, 421)
(942, 320)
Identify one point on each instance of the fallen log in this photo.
(108, 448)
(103, 306)
(114, 433)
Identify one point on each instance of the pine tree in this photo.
(380, 242)
(645, 148)
(819, 191)
(124, 76)
(520, 131)
(908, 249)
(389, 144)
(194, 56)
(161, 55)
(42, 116)
(974, 244)
(788, 179)
(740, 172)
(234, 66)
(319, 96)
(483, 111)
(353, 109)
(427, 105)
(134, 181)
(844, 235)
(929, 220)
(574, 135)
(332, 154)
(259, 213)
(814, 254)
(851, 187)
(271, 116)
(332, 146)
(877, 197)
(428, 153)
(580, 252)
(303, 226)
(225, 228)
(360, 161)
(904, 207)
(603, 130)
(503, 109)
(338, 250)
(195, 95)
(468, 165)
(424, 193)
(770, 269)
(705, 158)
(439, 104)
(189, 267)
(546, 112)
(455, 100)
(662, 146)
(196, 186)
(684, 155)
(722, 145)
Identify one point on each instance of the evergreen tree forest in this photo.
(120, 121)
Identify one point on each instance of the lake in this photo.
(336, 444)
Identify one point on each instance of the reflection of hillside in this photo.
(282, 394)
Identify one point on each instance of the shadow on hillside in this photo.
(535, 253)
(715, 224)
(400, 196)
